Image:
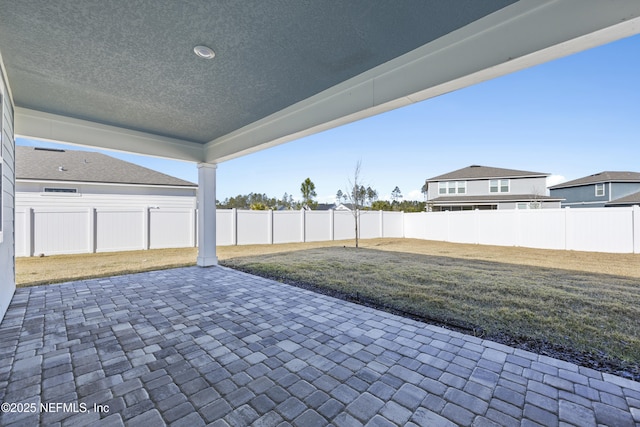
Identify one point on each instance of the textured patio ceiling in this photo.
(123, 75)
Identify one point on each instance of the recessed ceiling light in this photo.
(204, 52)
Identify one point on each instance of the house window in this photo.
(452, 187)
(462, 187)
(499, 186)
(530, 205)
(600, 190)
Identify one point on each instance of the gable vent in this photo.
(57, 150)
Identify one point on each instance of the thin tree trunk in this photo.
(356, 216)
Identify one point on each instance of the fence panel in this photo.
(225, 227)
(436, 226)
(498, 228)
(343, 225)
(287, 227)
(463, 227)
(317, 226)
(61, 231)
(254, 227)
(119, 229)
(542, 229)
(415, 225)
(171, 228)
(370, 225)
(392, 224)
(600, 229)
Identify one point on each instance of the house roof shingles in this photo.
(631, 199)
(606, 176)
(86, 166)
(485, 172)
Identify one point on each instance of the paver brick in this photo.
(425, 418)
(148, 418)
(365, 406)
(291, 408)
(396, 413)
(310, 418)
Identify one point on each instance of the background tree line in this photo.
(367, 199)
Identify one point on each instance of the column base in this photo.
(207, 261)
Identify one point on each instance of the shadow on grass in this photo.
(589, 319)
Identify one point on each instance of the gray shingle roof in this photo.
(494, 198)
(485, 172)
(86, 166)
(606, 176)
(631, 199)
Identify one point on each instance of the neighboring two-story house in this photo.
(486, 188)
(602, 189)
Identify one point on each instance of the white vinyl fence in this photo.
(585, 229)
(53, 231)
(242, 227)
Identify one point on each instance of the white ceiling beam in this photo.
(37, 125)
(527, 33)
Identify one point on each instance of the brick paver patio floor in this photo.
(192, 347)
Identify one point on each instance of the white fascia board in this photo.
(111, 184)
(38, 125)
(5, 79)
(521, 35)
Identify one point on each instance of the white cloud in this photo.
(326, 199)
(414, 195)
(555, 179)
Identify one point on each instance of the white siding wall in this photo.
(30, 195)
(480, 187)
(7, 153)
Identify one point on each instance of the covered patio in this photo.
(206, 82)
(193, 346)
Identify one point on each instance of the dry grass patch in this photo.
(62, 268)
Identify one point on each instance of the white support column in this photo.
(28, 222)
(92, 230)
(207, 215)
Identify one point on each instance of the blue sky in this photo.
(571, 117)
